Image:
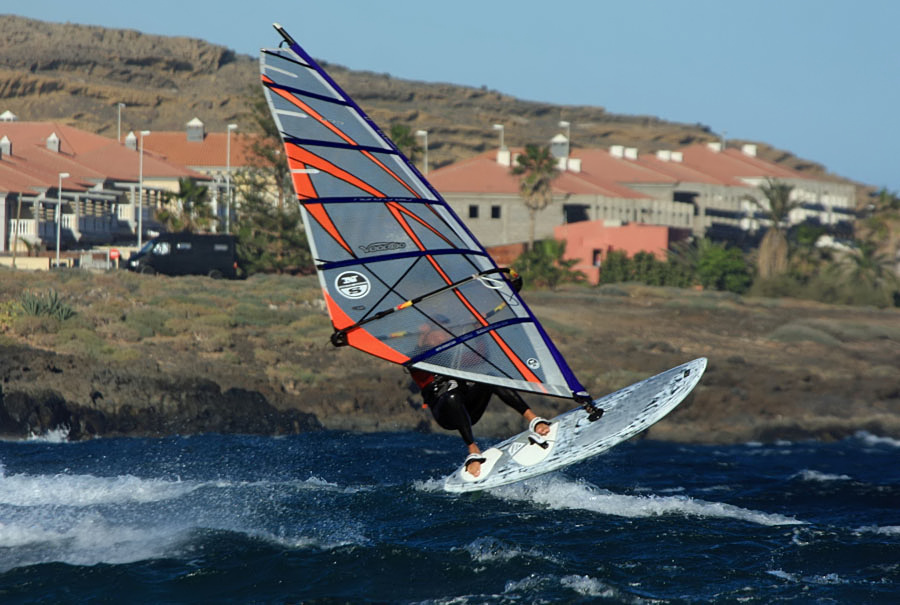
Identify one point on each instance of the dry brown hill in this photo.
(77, 74)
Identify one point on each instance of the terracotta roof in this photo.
(732, 165)
(480, 174)
(483, 174)
(680, 171)
(89, 158)
(767, 168)
(603, 164)
(208, 153)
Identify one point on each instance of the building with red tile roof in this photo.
(218, 155)
(484, 192)
(99, 194)
(826, 202)
(699, 188)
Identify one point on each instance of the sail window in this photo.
(473, 211)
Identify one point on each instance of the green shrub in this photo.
(797, 331)
(49, 305)
(148, 322)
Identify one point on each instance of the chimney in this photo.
(8, 116)
(131, 141)
(715, 146)
(504, 157)
(617, 151)
(559, 146)
(5, 147)
(195, 131)
(677, 156)
(749, 149)
(664, 155)
(574, 165)
(53, 142)
(631, 153)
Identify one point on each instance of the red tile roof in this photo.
(765, 167)
(732, 165)
(89, 158)
(208, 153)
(483, 174)
(680, 171)
(602, 163)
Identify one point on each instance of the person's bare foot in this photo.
(473, 461)
(542, 428)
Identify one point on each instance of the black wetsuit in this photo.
(458, 404)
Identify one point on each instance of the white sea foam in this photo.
(583, 585)
(811, 475)
(558, 492)
(830, 578)
(86, 520)
(870, 439)
(87, 540)
(58, 435)
(486, 549)
(885, 530)
(87, 490)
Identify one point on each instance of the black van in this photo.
(187, 254)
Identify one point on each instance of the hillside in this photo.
(77, 74)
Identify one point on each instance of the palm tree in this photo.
(403, 138)
(191, 212)
(868, 268)
(882, 223)
(537, 167)
(774, 248)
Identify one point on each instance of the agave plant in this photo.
(49, 305)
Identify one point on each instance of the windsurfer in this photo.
(458, 404)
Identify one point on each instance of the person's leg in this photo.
(451, 411)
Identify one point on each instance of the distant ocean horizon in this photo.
(335, 517)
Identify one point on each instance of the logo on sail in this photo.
(352, 284)
(382, 247)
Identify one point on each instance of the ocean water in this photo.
(336, 517)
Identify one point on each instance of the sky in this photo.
(818, 78)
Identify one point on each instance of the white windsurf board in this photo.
(573, 437)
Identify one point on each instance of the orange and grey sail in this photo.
(402, 276)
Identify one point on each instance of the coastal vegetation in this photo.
(788, 263)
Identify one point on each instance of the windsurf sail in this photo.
(402, 276)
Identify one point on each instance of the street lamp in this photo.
(500, 128)
(568, 127)
(119, 135)
(231, 127)
(144, 133)
(424, 133)
(62, 175)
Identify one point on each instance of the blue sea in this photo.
(336, 517)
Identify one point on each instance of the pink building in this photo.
(590, 241)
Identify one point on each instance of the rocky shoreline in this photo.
(778, 370)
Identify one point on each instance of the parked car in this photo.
(187, 254)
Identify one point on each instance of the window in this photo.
(495, 211)
(220, 247)
(161, 248)
(183, 246)
(473, 211)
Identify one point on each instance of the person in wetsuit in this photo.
(458, 404)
